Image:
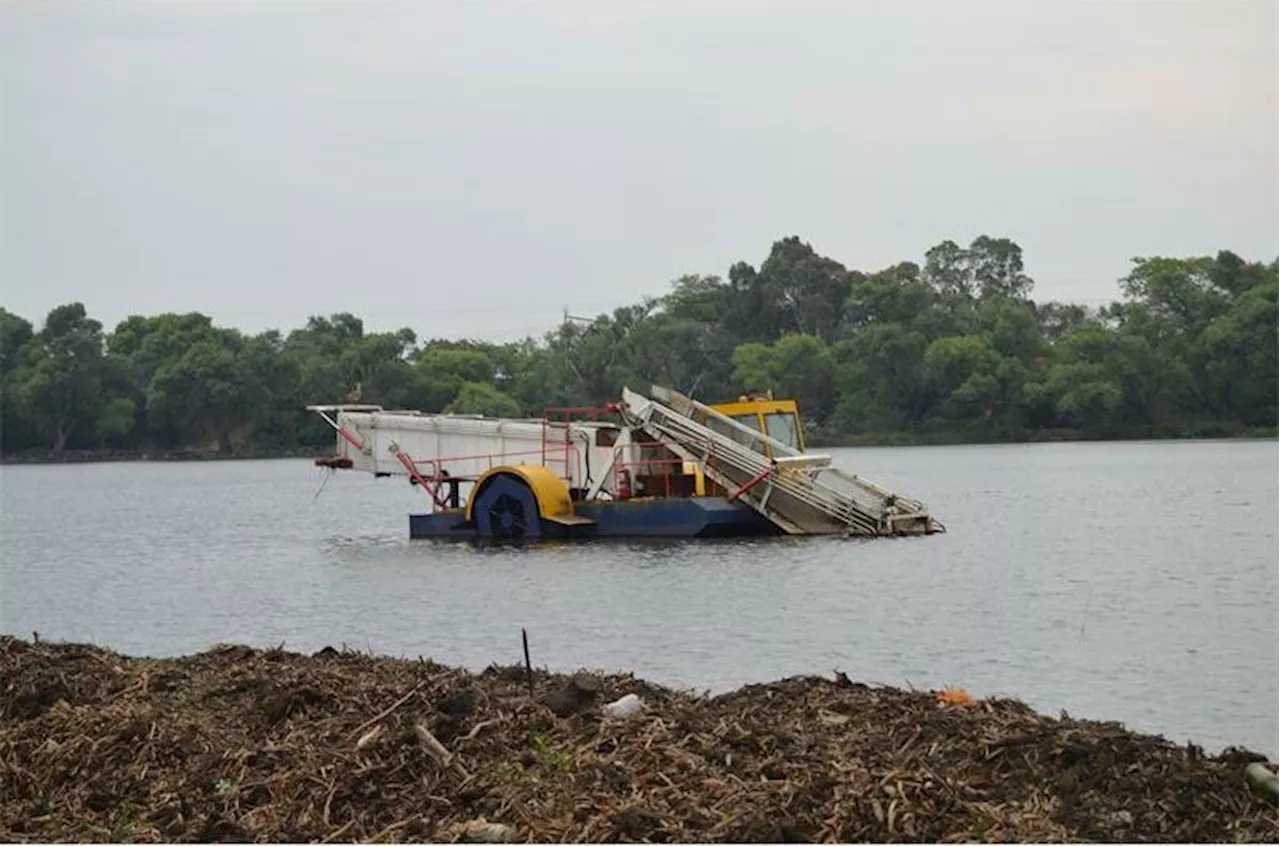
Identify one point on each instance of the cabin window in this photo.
(782, 427)
(752, 422)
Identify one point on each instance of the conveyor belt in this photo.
(799, 492)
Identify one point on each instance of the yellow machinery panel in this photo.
(548, 489)
(758, 413)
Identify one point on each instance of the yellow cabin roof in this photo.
(760, 409)
(759, 406)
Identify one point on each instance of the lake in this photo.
(1118, 581)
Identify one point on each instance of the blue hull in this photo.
(676, 517)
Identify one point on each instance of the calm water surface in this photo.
(1132, 582)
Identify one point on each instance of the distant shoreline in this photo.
(882, 439)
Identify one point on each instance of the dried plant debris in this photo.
(237, 744)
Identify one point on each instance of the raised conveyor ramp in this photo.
(799, 492)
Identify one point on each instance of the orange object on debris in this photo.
(955, 696)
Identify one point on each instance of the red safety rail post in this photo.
(323, 411)
(547, 422)
(417, 477)
(350, 438)
(750, 483)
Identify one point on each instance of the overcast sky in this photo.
(473, 168)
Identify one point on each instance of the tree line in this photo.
(952, 348)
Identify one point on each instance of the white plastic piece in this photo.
(1262, 780)
(624, 707)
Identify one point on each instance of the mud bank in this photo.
(242, 744)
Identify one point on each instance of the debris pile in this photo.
(237, 744)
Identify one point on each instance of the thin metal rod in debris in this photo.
(528, 665)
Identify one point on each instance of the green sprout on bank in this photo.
(544, 754)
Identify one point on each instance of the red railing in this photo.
(486, 456)
(554, 450)
(434, 482)
(563, 416)
(625, 475)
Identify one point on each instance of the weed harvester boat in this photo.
(661, 465)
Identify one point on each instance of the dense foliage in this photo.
(951, 349)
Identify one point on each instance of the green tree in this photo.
(441, 369)
(798, 366)
(996, 265)
(208, 395)
(1084, 395)
(949, 347)
(1239, 357)
(117, 420)
(805, 291)
(692, 357)
(63, 390)
(1180, 292)
(17, 429)
(15, 334)
(483, 398)
(880, 380)
(947, 271)
(1057, 320)
(896, 294)
(965, 375)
